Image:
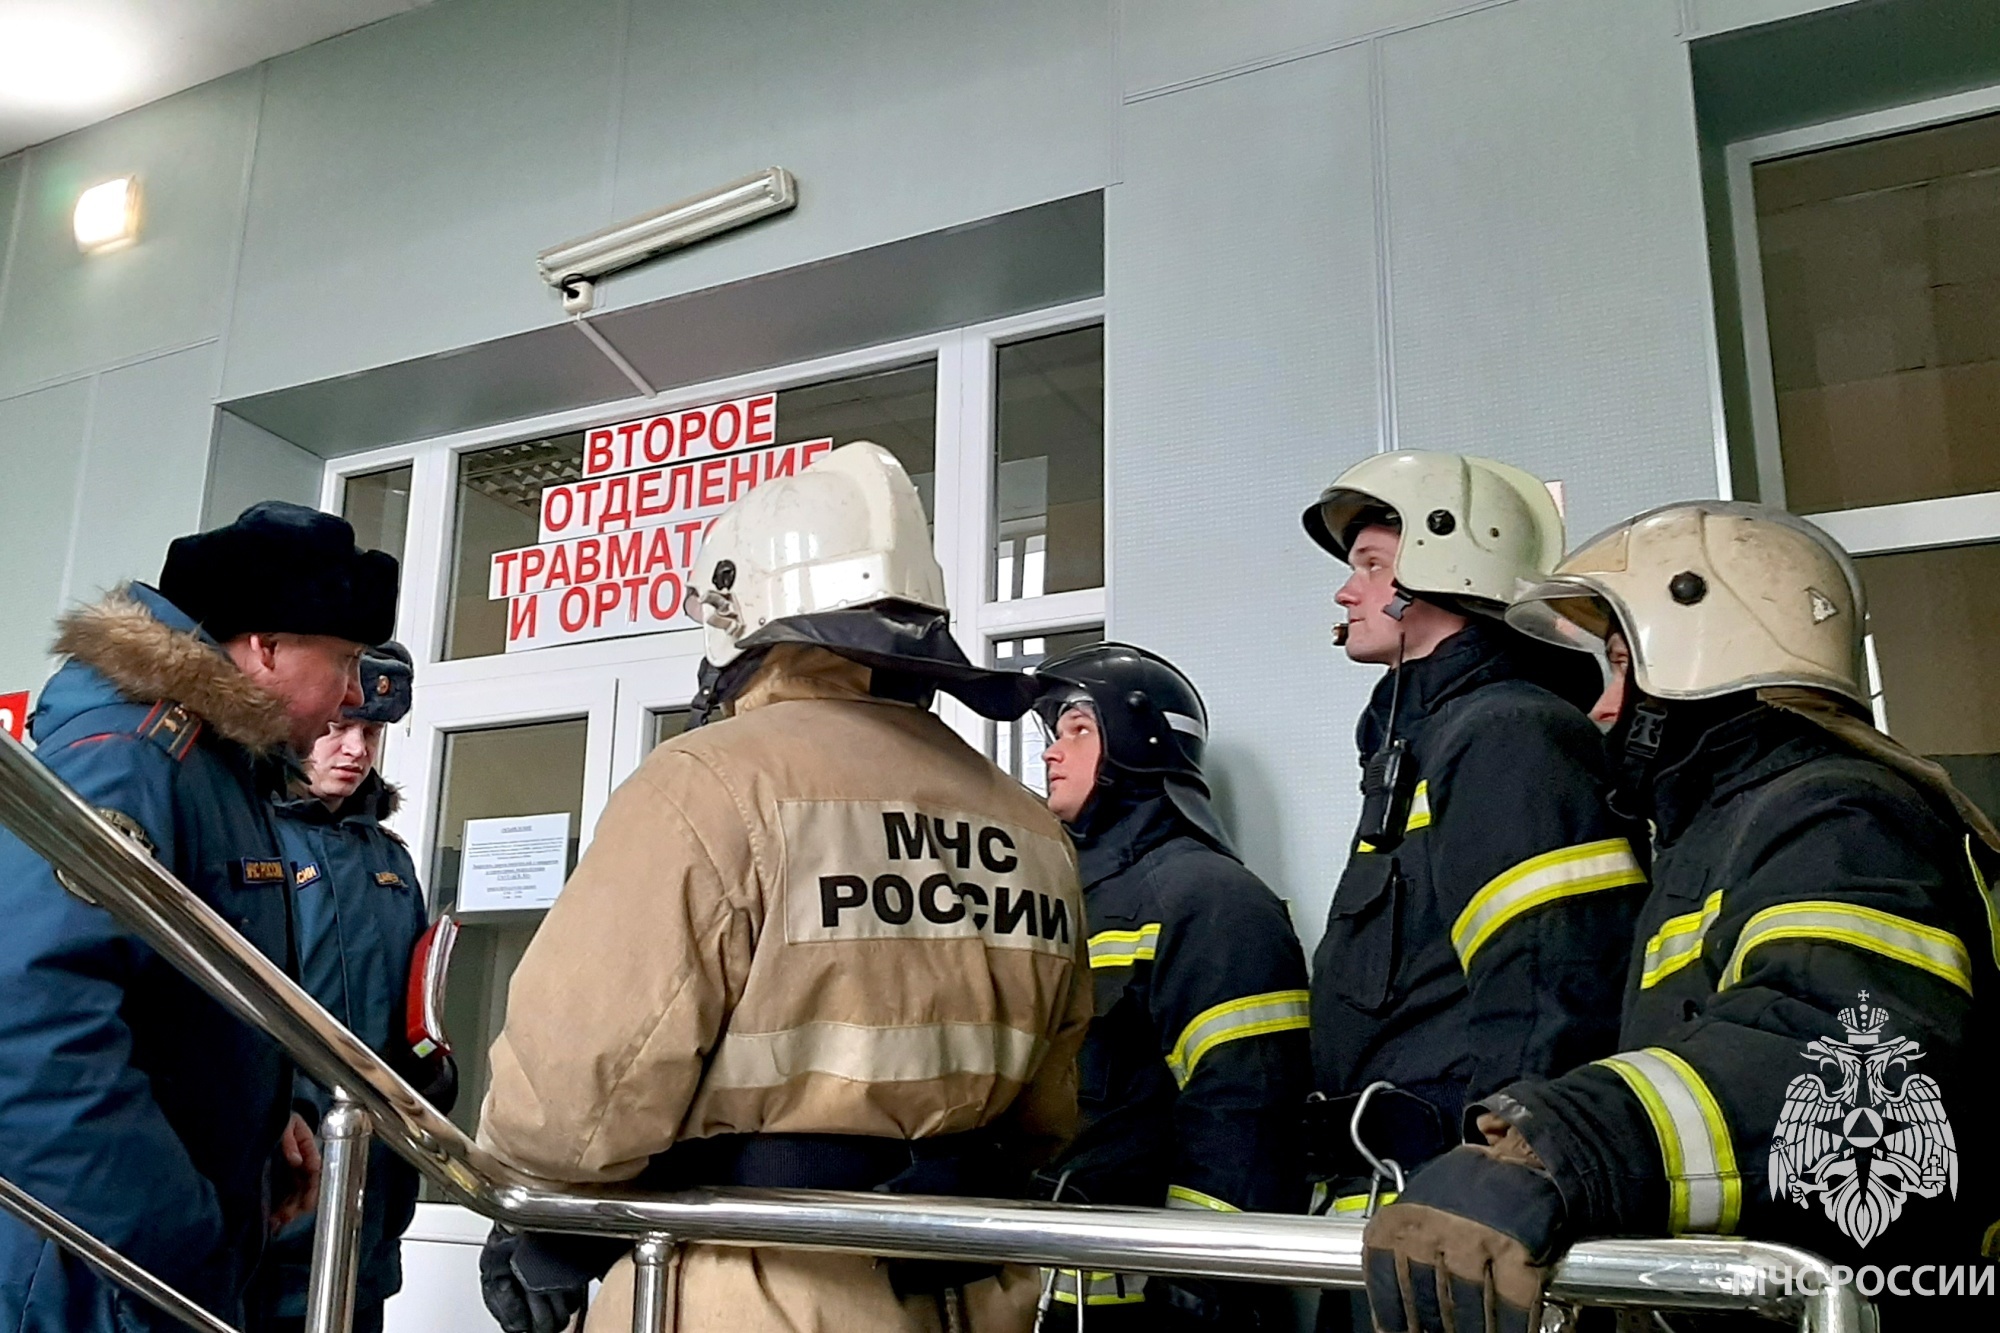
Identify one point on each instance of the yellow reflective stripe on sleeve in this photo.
(1358, 1203)
(1985, 897)
(1251, 1016)
(1100, 1288)
(913, 1054)
(1364, 846)
(1564, 873)
(1938, 952)
(1420, 808)
(1705, 1190)
(1122, 948)
(1180, 1196)
(1679, 942)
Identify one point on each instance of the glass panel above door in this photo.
(1048, 484)
(1881, 265)
(378, 505)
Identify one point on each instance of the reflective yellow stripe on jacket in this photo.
(1420, 814)
(1122, 948)
(1251, 1016)
(1938, 952)
(1100, 1288)
(1564, 873)
(1420, 808)
(1705, 1190)
(1679, 942)
(1182, 1196)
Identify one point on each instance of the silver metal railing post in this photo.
(654, 1277)
(344, 1132)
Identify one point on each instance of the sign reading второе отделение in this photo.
(615, 546)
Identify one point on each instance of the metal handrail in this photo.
(101, 864)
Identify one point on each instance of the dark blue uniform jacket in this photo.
(1490, 942)
(360, 915)
(130, 1101)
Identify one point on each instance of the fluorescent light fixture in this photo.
(572, 266)
(107, 215)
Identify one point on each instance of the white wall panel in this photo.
(1241, 355)
(1548, 261)
(144, 466)
(66, 313)
(1166, 42)
(41, 451)
(408, 173)
(248, 463)
(899, 117)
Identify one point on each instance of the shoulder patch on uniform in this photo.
(877, 870)
(252, 870)
(307, 874)
(172, 728)
(389, 879)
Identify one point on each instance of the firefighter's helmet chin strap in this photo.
(1644, 724)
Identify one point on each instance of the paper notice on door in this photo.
(511, 865)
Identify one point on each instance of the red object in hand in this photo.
(423, 1007)
(14, 714)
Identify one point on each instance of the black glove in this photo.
(1467, 1246)
(526, 1289)
(441, 1088)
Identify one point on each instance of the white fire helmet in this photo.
(849, 531)
(1475, 530)
(1713, 597)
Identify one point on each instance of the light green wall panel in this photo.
(899, 117)
(144, 468)
(66, 313)
(248, 464)
(408, 173)
(41, 448)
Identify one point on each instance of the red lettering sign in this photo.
(14, 714)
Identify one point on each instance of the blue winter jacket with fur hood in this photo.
(130, 1101)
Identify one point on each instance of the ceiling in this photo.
(65, 64)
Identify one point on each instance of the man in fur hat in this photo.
(130, 1101)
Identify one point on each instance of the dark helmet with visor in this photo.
(1150, 716)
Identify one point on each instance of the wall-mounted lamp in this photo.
(107, 215)
(571, 267)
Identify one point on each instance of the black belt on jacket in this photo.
(969, 1163)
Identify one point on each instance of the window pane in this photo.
(1882, 289)
(1048, 491)
(500, 489)
(533, 769)
(499, 509)
(897, 409)
(378, 505)
(1017, 746)
(663, 724)
(1937, 634)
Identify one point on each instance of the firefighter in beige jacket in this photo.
(823, 915)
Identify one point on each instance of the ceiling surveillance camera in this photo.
(571, 267)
